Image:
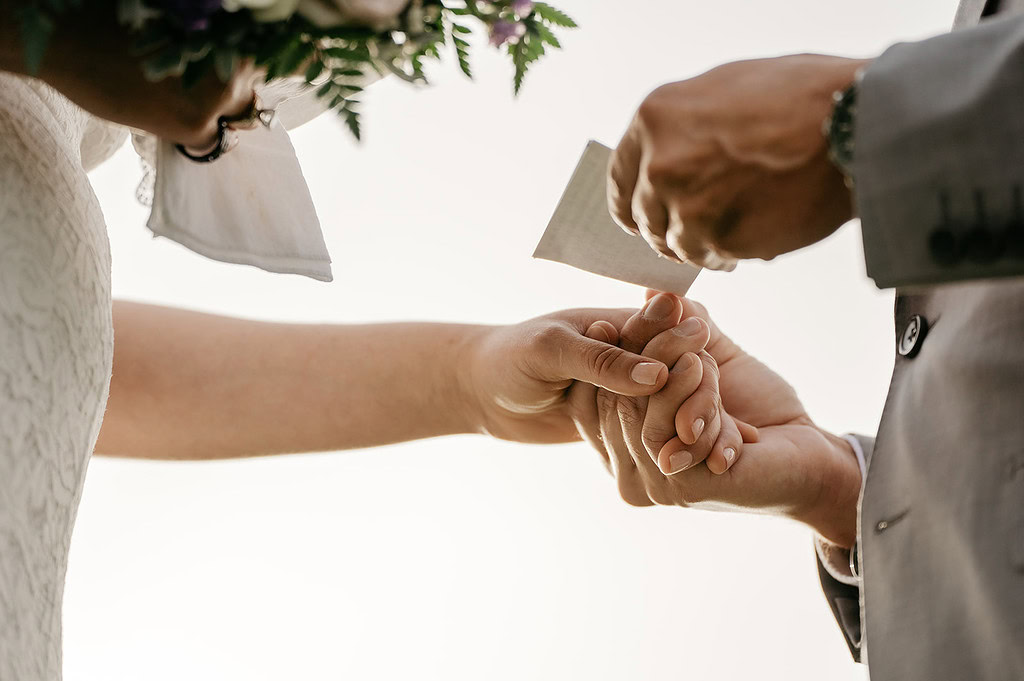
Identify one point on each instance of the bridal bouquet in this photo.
(332, 44)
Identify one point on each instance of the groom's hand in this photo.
(791, 467)
(733, 163)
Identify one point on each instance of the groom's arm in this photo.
(838, 579)
(939, 157)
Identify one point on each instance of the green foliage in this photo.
(462, 47)
(531, 47)
(553, 16)
(333, 60)
(37, 20)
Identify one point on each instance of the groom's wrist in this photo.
(834, 514)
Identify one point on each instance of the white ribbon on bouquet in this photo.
(252, 205)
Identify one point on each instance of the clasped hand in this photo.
(722, 408)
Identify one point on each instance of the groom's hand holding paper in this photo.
(583, 234)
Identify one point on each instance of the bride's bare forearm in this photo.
(193, 386)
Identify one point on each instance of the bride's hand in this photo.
(92, 61)
(789, 466)
(518, 376)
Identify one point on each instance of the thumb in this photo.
(651, 292)
(593, 361)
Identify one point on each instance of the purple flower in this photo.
(522, 7)
(194, 15)
(506, 31)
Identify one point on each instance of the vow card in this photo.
(581, 233)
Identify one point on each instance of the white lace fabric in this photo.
(56, 350)
(56, 332)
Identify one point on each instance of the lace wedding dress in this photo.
(56, 348)
(56, 334)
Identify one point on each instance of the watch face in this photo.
(840, 129)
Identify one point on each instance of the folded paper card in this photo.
(581, 233)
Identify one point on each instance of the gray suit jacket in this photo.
(939, 168)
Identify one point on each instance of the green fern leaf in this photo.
(552, 15)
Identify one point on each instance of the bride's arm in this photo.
(190, 385)
(195, 386)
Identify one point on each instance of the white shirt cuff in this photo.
(835, 558)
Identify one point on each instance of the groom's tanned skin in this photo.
(789, 466)
(733, 163)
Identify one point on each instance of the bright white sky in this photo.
(463, 558)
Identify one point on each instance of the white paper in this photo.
(582, 234)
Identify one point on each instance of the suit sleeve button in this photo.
(913, 335)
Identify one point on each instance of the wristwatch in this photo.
(838, 128)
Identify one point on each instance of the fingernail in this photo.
(730, 456)
(698, 428)
(679, 461)
(659, 307)
(646, 373)
(691, 327)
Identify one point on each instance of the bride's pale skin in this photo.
(192, 386)
(188, 385)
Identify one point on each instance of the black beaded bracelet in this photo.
(223, 143)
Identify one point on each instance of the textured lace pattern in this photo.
(56, 348)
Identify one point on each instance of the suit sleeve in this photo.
(842, 590)
(939, 157)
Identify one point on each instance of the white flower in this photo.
(264, 10)
(373, 13)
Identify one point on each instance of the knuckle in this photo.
(601, 360)
(620, 207)
(606, 403)
(710, 366)
(661, 171)
(684, 237)
(718, 219)
(547, 337)
(617, 184)
(650, 110)
(709, 406)
(629, 412)
(655, 436)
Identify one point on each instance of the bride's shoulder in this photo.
(29, 103)
(100, 140)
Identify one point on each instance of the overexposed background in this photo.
(465, 558)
